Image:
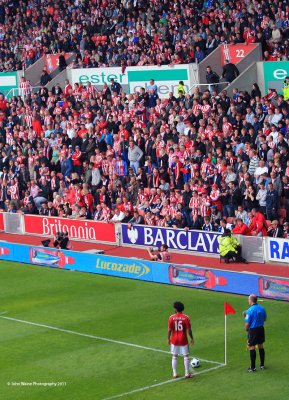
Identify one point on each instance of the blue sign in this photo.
(177, 239)
(278, 250)
(171, 274)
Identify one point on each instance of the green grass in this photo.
(134, 312)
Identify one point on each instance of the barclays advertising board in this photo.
(176, 239)
(278, 250)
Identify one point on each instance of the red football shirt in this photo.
(179, 324)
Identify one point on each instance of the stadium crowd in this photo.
(196, 161)
(124, 33)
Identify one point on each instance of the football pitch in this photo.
(67, 335)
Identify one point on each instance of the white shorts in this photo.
(180, 350)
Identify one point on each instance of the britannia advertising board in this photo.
(77, 229)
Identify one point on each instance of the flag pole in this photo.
(225, 339)
(228, 309)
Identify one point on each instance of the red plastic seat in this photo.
(282, 215)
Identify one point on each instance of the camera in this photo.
(61, 240)
(59, 236)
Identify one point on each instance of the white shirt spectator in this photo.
(276, 118)
(260, 171)
(274, 136)
(118, 216)
(261, 197)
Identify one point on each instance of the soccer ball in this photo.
(195, 363)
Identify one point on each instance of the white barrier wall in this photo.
(254, 249)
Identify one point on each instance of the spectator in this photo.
(256, 92)
(261, 197)
(230, 71)
(241, 228)
(44, 78)
(115, 86)
(62, 61)
(117, 217)
(286, 230)
(212, 79)
(153, 87)
(272, 202)
(135, 155)
(275, 230)
(207, 224)
(286, 88)
(242, 214)
(137, 219)
(258, 225)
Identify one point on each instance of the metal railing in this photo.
(20, 92)
(208, 85)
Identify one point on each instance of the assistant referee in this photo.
(255, 318)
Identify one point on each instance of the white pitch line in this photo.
(161, 383)
(3, 312)
(95, 337)
(84, 334)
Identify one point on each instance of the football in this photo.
(195, 363)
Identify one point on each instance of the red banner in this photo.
(52, 61)
(77, 229)
(235, 52)
(1, 222)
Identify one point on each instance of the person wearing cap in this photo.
(230, 248)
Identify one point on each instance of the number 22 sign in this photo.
(235, 52)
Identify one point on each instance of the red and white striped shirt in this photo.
(28, 120)
(13, 190)
(195, 205)
(205, 210)
(25, 88)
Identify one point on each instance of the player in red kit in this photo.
(179, 328)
